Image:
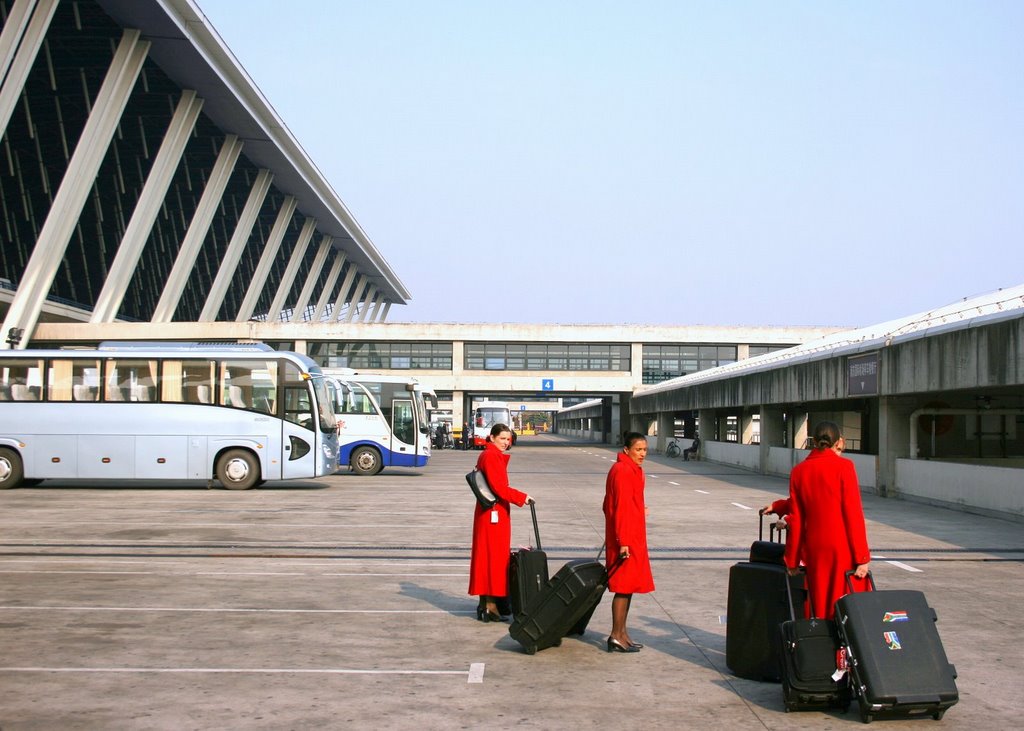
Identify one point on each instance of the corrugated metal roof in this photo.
(960, 315)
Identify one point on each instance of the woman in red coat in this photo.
(828, 533)
(492, 528)
(625, 517)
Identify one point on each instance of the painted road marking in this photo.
(673, 483)
(240, 610)
(475, 674)
(741, 505)
(703, 492)
(899, 565)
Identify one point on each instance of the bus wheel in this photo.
(238, 469)
(11, 470)
(366, 461)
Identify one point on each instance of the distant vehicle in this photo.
(487, 414)
(382, 420)
(241, 414)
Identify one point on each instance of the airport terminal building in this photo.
(147, 188)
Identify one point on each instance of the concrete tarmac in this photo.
(341, 604)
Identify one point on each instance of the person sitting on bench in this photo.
(693, 449)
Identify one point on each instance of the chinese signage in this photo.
(862, 375)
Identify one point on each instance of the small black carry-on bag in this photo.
(809, 651)
(757, 605)
(897, 662)
(527, 571)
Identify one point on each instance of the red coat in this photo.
(829, 534)
(625, 521)
(488, 562)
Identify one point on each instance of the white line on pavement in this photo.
(703, 492)
(474, 675)
(228, 610)
(742, 506)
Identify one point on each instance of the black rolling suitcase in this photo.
(527, 572)
(897, 662)
(567, 600)
(809, 650)
(756, 606)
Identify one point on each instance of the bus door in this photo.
(298, 430)
(404, 434)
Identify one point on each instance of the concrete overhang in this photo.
(187, 48)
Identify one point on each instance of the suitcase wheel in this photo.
(558, 643)
(939, 714)
(531, 649)
(866, 717)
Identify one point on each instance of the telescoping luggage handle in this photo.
(771, 527)
(849, 580)
(536, 530)
(615, 564)
(789, 598)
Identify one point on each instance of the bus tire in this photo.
(366, 461)
(238, 469)
(11, 469)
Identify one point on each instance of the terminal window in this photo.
(389, 356)
(662, 362)
(546, 357)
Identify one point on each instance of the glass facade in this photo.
(388, 356)
(662, 362)
(546, 357)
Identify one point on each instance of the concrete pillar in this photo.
(277, 306)
(325, 293)
(353, 303)
(708, 427)
(364, 308)
(236, 247)
(801, 429)
(319, 260)
(747, 426)
(666, 429)
(76, 186)
(376, 308)
(615, 419)
(343, 293)
(22, 36)
(384, 312)
(216, 183)
(262, 271)
(772, 433)
(893, 441)
(137, 232)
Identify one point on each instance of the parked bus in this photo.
(382, 420)
(240, 414)
(487, 414)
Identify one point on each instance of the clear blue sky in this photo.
(672, 162)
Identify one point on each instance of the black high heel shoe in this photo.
(615, 646)
(491, 617)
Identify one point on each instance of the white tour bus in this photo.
(241, 414)
(487, 414)
(382, 420)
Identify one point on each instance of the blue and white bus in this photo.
(382, 420)
(240, 414)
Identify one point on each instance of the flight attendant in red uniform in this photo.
(492, 527)
(826, 522)
(625, 515)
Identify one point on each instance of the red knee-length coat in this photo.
(625, 520)
(829, 534)
(488, 561)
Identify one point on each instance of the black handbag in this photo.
(478, 484)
